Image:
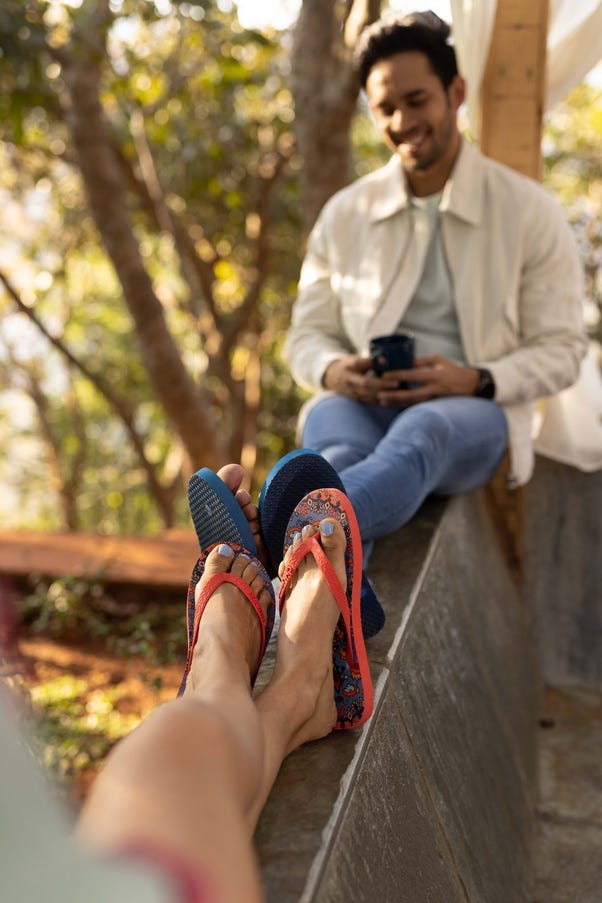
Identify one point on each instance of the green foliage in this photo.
(216, 112)
(573, 170)
(75, 727)
(70, 608)
(571, 148)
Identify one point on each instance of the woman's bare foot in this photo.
(229, 636)
(309, 618)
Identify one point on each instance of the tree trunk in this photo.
(102, 178)
(325, 90)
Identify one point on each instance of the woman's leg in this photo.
(194, 776)
(186, 778)
(298, 703)
(445, 446)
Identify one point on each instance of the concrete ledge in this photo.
(433, 799)
(563, 573)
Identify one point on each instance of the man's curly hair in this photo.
(421, 31)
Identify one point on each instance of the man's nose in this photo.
(397, 121)
(400, 121)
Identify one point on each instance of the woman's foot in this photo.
(309, 617)
(228, 643)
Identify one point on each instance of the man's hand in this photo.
(351, 376)
(433, 376)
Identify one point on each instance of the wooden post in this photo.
(512, 95)
(512, 99)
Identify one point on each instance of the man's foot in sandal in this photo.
(233, 476)
(222, 510)
(230, 634)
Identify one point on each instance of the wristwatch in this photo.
(485, 386)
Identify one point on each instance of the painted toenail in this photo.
(326, 528)
(225, 551)
(296, 537)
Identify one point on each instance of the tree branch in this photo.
(272, 171)
(203, 271)
(325, 88)
(361, 14)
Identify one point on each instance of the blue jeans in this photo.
(391, 460)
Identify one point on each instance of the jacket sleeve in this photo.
(316, 336)
(548, 311)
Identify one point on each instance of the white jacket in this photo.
(514, 266)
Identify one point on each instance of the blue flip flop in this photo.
(216, 515)
(291, 479)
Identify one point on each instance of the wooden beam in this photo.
(512, 103)
(512, 94)
(163, 562)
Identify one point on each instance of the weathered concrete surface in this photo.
(450, 678)
(568, 860)
(432, 800)
(308, 795)
(389, 844)
(563, 573)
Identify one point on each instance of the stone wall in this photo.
(563, 573)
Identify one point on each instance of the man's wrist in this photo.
(329, 371)
(485, 387)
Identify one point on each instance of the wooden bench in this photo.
(164, 561)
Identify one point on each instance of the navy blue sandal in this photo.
(293, 477)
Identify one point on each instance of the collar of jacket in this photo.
(462, 194)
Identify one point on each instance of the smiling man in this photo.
(471, 259)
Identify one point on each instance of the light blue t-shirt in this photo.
(431, 315)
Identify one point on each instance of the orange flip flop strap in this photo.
(207, 591)
(312, 545)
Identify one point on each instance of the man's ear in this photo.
(457, 91)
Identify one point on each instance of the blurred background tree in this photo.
(573, 171)
(151, 251)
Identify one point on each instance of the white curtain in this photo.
(472, 27)
(574, 46)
